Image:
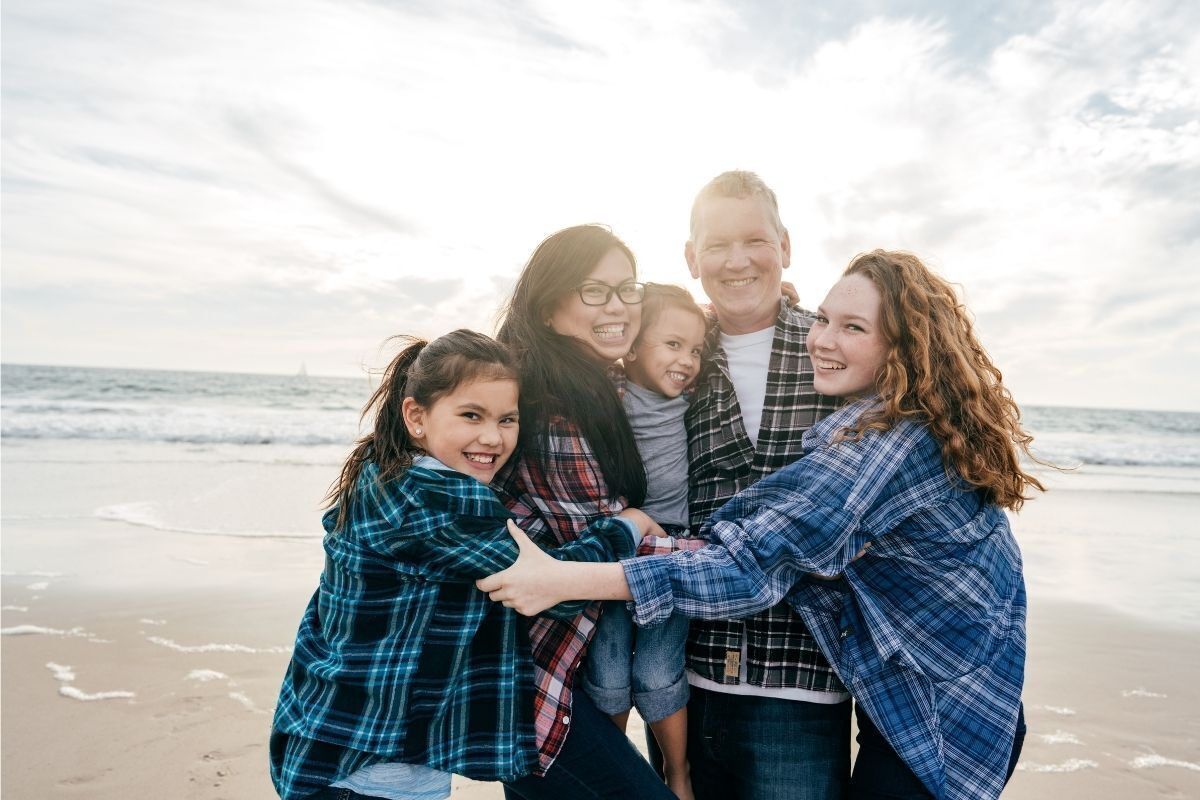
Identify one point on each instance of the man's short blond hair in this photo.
(739, 184)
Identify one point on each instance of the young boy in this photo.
(644, 667)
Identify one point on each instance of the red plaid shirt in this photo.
(554, 506)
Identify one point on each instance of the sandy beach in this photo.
(143, 661)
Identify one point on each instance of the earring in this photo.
(417, 432)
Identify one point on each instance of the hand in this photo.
(528, 585)
(789, 291)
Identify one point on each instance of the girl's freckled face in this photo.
(845, 342)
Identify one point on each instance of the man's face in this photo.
(739, 257)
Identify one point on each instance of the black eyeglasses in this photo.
(598, 294)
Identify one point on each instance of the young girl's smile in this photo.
(473, 429)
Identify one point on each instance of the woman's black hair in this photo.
(558, 377)
(426, 372)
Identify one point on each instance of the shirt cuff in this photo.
(650, 586)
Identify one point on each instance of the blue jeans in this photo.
(597, 762)
(879, 774)
(756, 748)
(330, 793)
(628, 666)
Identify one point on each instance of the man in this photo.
(768, 718)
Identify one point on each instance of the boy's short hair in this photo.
(661, 296)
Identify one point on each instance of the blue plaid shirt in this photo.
(399, 657)
(927, 629)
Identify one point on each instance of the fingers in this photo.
(491, 583)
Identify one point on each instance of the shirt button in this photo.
(849, 630)
(566, 720)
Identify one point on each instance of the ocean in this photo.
(314, 420)
(252, 456)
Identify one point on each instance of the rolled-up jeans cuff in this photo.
(659, 704)
(609, 701)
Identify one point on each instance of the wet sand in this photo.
(139, 662)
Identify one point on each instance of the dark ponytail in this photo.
(426, 372)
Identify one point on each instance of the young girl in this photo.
(888, 537)
(403, 672)
(625, 666)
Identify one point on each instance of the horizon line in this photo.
(367, 373)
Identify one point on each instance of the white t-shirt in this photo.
(749, 358)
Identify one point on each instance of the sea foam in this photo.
(144, 515)
(65, 675)
(1060, 710)
(213, 648)
(35, 630)
(1070, 765)
(1155, 760)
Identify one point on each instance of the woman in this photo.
(574, 312)
(888, 538)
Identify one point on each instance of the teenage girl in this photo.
(888, 538)
(403, 672)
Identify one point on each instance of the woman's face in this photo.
(845, 342)
(606, 332)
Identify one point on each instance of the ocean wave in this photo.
(197, 437)
(144, 515)
(213, 647)
(264, 411)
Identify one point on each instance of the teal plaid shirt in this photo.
(398, 656)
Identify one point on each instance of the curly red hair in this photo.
(937, 371)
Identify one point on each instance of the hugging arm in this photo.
(752, 564)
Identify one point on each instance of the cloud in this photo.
(249, 130)
(230, 188)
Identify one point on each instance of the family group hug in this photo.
(746, 520)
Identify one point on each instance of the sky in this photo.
(258, 185)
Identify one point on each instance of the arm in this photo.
(536, 581)
(753, 565)
(599, 545)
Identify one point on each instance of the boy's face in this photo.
(666, 357)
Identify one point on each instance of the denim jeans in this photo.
(330, 793)
(743, 747)
(879, 774)
(597, 762)
(628, 666)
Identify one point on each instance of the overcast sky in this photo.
(256, 185)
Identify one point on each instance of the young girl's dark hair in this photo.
(426, 372)
(557, 375)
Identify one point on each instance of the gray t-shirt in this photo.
(658, 428)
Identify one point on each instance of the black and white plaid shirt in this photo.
(780, 652)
